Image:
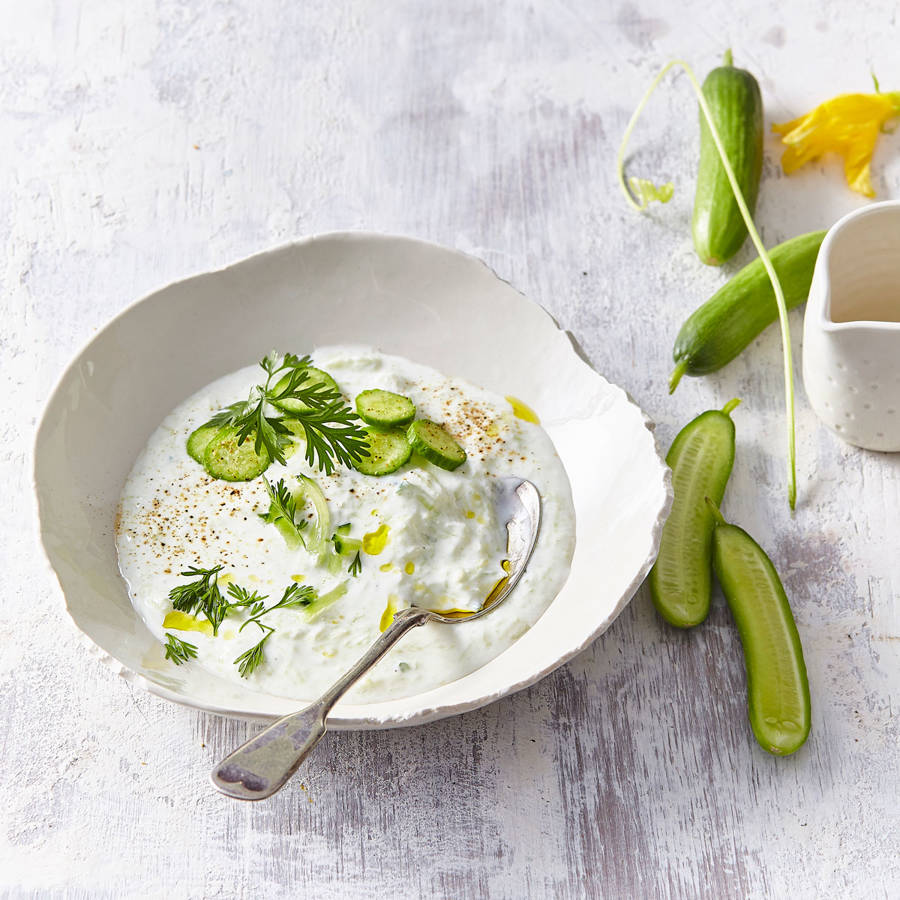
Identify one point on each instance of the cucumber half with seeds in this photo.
(385, 409)
(701, 457)
(313, 376)
(224, 458)
(388, 450)
(199, 439)
(777, 684)
(433, 443)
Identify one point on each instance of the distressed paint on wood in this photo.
(145, 141)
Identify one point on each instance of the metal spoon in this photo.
(264, 764)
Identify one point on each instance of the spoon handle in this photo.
(262, 766)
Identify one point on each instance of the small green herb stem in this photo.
(255, 620)
(754, 236)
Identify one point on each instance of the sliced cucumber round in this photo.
(224, 458)
(388, 450)
(433, 443)
(385, 409)
(313, 376)
(199, 439)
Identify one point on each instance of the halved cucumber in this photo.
(225, 459)
(388, 450)
(433, 443)
(385, 408)
(313, 376)
(199, 439)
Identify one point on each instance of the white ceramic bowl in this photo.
(425, 302)
(851, 330)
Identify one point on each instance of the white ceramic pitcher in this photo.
(851, 333)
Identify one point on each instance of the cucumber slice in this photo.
(342, 541)
(433, 443)
(323, 601)
(385, 408)
(388, 450)
(314, 376)
(226, 460)
(313, 493)
(199, 439)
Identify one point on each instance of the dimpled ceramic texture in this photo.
(407, 297)
(851, 333)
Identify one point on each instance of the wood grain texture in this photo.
(141, 142)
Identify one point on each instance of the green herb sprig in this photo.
(179, 651)
(330, 428)
(202, 595)
(282, 513)
(243, 599)
(251, 659)
(295, 596)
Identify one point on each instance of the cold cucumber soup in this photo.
(279, 518)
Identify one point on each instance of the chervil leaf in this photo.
(330, 428)
(282, 513)
(331, 433)
(251, 659)
(179, 651)
(202, 595)
(230, 414)
(294, 597)
(243, 598)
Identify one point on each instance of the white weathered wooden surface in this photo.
(144, 141)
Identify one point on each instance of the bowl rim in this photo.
(336, 721)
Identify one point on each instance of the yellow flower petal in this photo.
(856, 171)
(788, 126)
(848, 125)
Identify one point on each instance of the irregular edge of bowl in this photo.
(337, 722)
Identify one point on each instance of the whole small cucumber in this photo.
(777, 686)
(701, 457)
(716, 332)
(736, 105)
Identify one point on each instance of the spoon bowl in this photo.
(265, 763)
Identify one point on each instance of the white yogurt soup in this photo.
(371, 544)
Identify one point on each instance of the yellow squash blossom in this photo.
(848, 125)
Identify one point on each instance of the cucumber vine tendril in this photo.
(754, 236)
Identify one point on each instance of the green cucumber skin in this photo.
(227, 460)
(719, 330)
(777, 685)
(423, 443)
(736, 105)
(384, 409)
(388, 451)
(681, 577)
(199, 439)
